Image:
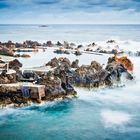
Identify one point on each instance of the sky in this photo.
(69, 11)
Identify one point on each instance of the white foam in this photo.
(7, 111)
(114, 118)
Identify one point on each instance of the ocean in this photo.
(96, 114)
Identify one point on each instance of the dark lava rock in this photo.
(59, 43)
(15, 64)
(7, 78)
(53, 63)
(78, 53)
(60, 51)
(75, 64)
(111, 41)
(49, 44)
(80, 46)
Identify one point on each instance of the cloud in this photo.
(69, 11)
(4, 4)
(48, 2)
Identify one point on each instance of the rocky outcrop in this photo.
(80, 46)
(56, 86)
(53, 63)
(77, 53)
(68, 46)
(15, 64)
(49, 44)
(61, 51)
(118, 66)
(31, 44)
(6, 51)
(7, 78)
(75, 64)
(92, 75)
(59, 62)
(59, 43)
(111, 41)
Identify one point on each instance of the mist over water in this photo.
(67, 32)
(100, 114)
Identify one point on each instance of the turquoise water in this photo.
(102, 114)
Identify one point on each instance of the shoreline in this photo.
(59, 77)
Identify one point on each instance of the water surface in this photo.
(102, 114)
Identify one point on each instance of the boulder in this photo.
(15, 64)
(80, 46)
(125, 62)
(53, 63)
(96, 65)
(78, 53)
(6, 51)
(7, 78)
(59, 43)
(116, 70)
(75, 64)
(49, 44)
(61, 51)
(111, 41)
(93, 44)
(65, 62)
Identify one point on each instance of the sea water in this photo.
(101, 114)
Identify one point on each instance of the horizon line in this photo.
(70, 24)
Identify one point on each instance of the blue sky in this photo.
(70, 11)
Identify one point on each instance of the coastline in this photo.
(56, 75)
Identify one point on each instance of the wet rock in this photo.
(6, 51)
(111, 60)
(114, 51)
(89, 50)
(67, 45)
(59, 43)
(61, 51)
(80, 46)
(125, 62)
(7, 78)
(75, 64)
(96, 65)
(104, 51)
(49, 44)
(93, 44)
(17, 55)
(31, 44)
(137, 53)
(25, 55)
(111, 41)
(28, 76)
(15, 64)
(53, 86)
(53, 63)
(117, 69)
(65, 62)
(77, 53)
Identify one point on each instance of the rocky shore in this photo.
(63, 75)
(110, 47)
